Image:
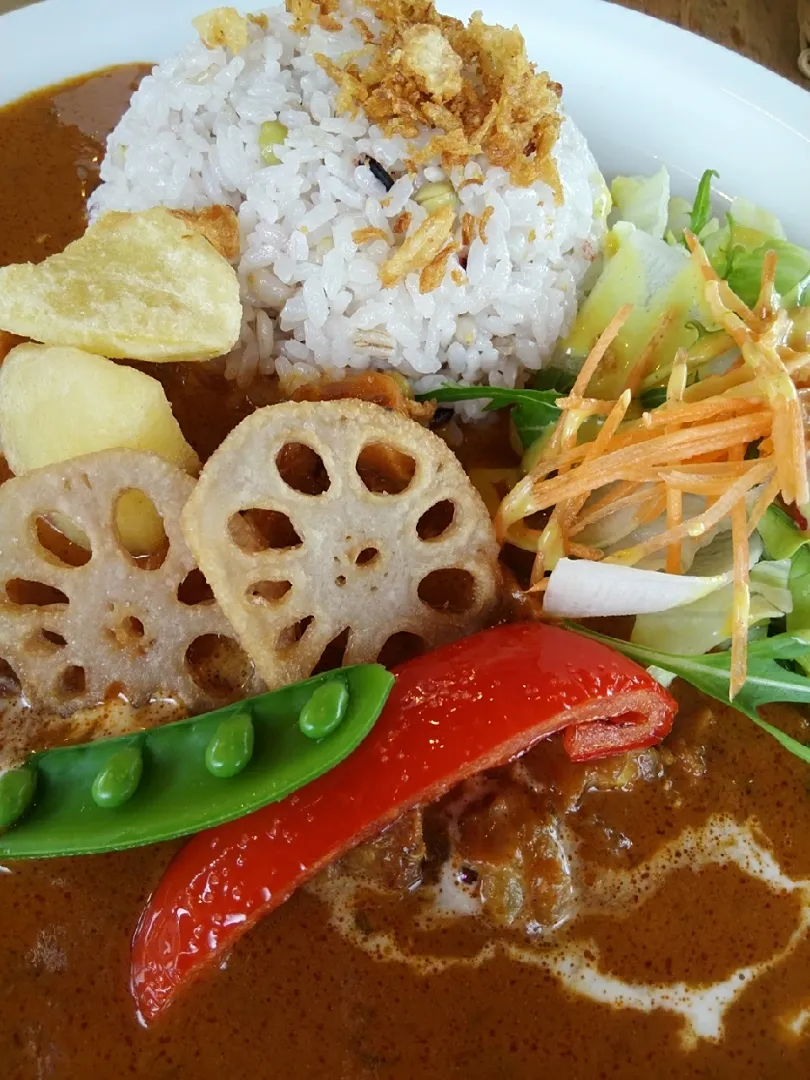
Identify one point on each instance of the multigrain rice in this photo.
(317, 227)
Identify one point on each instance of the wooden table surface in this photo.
(765, 30)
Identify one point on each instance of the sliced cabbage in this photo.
(678, 213)
(700, 626)
(717, 557)
(657, 280)
(643, 201)
(621, 530)
(771, 580)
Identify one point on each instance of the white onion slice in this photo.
(579, 588)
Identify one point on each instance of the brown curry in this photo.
(676, 880)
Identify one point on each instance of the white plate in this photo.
(643, 92)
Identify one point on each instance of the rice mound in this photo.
(310, 281)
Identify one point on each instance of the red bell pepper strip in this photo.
(452, 713)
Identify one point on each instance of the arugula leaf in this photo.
(533, 410)
(653, 397)
(799, 584)
(702, 206)
(699, 328)
(554, 378)
(768, 681)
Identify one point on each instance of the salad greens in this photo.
(744, 256)
(554, 378)
(679, 618)
(737, 250)
(666, 291)
(799, 586)
(780, 534)
(768, 681)
(702, 206)
(700, 626)
(532, 410)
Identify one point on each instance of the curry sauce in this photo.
(692, 871)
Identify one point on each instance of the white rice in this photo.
(312, 297)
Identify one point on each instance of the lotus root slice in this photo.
(336, 531)
(83, 623)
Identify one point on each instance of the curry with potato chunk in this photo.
(584, 908)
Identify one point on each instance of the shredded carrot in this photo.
(606, 339)
(769, 493)
(583, 552)
(702, 352)
(538, 586)
(614, 494)
(729, 298)
(592, 406)
(701, 484)
(797, 362)
(643, 494)
(715, 385)
(634, 435)
(767, 301)
(741, 606)
(654, 510)
(700, 525)
(569, 509)
(660, 451)
(717, 468)
(674, 564)
(641, 367)
(676, 384)
(699, 412)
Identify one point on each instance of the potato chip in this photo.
(340, 531)
(141, 286)
(81, 625)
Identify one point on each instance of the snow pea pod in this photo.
(186, 776)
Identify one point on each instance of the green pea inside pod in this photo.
(325, 710)
(231, 748)
(16, 792)
(118, 781)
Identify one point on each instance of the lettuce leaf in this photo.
(744, 267)
(643, 201)
(780, 534)
(706, 623)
